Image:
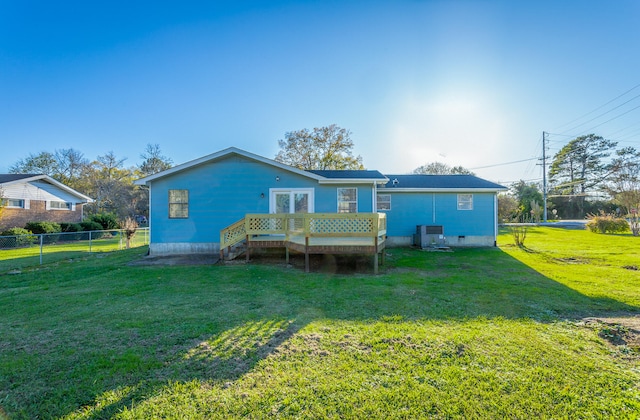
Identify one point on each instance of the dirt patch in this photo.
(620, 332)
(171, 260)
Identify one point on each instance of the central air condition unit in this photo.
(429, 236)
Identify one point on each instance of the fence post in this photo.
(90, 241)
(41, 242)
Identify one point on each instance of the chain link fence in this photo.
(17, 252)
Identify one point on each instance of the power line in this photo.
(603, 114)
(505, 163)
(598, 108)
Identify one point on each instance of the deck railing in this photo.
(337, 225)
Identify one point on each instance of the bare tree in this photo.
(154, 161)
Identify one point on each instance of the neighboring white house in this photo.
(36, 198)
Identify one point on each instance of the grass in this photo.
(469, 334)
(19, 258)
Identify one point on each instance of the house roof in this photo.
(8, 179)
(5, 178)
(418, 182)
(350, 176)
(320, 176)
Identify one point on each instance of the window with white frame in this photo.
(383, 202)
(465, 201)
(13, 203)
(347, 200)
(60, 205)
(178, 204)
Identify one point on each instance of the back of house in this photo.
(191, 203)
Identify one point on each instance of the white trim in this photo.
(338, 198)
(352, 181)
(458, 201)
(442, 190)
(291, 191)
(377, 208)
(221, 154)
(51, 181)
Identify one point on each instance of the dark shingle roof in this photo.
(348, 174)
(440, 182)
(14, 177)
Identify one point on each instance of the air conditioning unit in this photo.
(429, 236)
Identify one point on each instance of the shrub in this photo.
(108, 221)
(46, 228)
(607, 223)
(69, 228)
(17, 237)
(89, 225)
(43, 227)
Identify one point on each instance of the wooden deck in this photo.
(313, 233)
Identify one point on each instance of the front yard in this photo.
(475, 333)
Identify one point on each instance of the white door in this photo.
(295, 200)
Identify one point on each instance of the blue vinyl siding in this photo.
(411, 209)
(221, 192)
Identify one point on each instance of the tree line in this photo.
(589, 175)
(106, 179)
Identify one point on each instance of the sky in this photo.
(471, 83)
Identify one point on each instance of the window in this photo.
(13, 202)
(178, 204)
(60, 205)
(294, 200)
(383, 202)
(347, 200)
(465, 201)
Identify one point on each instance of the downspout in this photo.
(495, 219)
(374, 192)
(433, 208)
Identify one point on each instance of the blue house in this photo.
(190, 204)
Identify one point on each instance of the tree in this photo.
(323, 148)
(507, 207)
(153, 161)
(42, 163)
(439, 168)
(624, 184)
(111, 186)
(578, 168)
(526, 195)
(70, 166)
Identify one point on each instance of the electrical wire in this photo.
(598, 108)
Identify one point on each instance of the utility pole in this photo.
(544, 175)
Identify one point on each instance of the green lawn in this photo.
(475, 333)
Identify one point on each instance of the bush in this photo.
(89, 225)
(108, 221)
(43, 227)
(607, 223)
(46, 228)
(17, 237)
(69, 228)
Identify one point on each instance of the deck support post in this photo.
(306, 254)
(287, 255)
(247, 250)
(375, 263)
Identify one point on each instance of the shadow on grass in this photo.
(215, 323)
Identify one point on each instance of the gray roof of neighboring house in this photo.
(14, 177)
(438, 182)
(348, 174)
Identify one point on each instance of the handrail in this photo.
(232, 234)
(305, 224)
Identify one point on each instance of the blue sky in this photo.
(470, 83)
